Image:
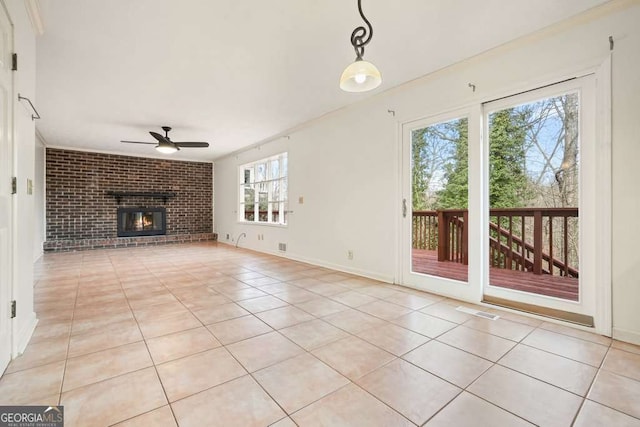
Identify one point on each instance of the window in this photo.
(263, 191)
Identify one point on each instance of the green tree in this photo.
(419, 170)
(440, 170)
(454, 195)
(433, 152)
(508, 181)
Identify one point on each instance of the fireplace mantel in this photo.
(120, 194)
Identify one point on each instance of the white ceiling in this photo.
(235, 72)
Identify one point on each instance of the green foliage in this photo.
(441, 162)
(456, 172)
(419, 178)
(433, 150)
(507, 174)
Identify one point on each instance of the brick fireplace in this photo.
(86, 192)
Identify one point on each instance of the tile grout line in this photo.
(466, 389)
(583, 398)
(155, 368)
(66, 360)
(593, 382)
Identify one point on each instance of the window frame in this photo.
(264, 182)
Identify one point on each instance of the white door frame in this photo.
(585, 88)
(7, 202)
(444, 286)
(590, 172)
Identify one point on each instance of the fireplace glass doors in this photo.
(141, 221)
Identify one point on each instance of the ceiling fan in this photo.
(166, 145)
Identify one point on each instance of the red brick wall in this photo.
(79, 208)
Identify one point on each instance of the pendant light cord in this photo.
(358, 35)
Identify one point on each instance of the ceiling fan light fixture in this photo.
(166, 148)
(166, 145)
(361, 75)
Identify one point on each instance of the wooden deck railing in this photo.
(526, 239)
(453, 236)
(425, 230)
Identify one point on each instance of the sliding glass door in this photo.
(540, 158)
(500, 202)
(435, 203)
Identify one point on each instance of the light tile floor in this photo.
(209, 335)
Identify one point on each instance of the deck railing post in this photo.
(443, 237)
(465, 237)
(537, 242)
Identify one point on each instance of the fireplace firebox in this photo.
(141, 221)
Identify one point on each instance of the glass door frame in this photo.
(588, 191)
(469, 291)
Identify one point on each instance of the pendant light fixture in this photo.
(361, 75)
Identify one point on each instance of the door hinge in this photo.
(13, 309)
(14, 185)
(404, 208)
(14, 62)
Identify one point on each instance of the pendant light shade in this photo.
(361, 75)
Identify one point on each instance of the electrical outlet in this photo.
(350, 254)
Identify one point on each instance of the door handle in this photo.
(404, 208)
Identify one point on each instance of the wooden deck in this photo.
(426, 262)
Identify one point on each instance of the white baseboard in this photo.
(22, 336)
(320, 263)
(37, 256)
(358, 272)
(625, 335)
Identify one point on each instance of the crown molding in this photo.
(33, 10)
(127, 154)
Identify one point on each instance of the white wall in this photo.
(345, 165)
(325, 167)
(24, 152)
(626, 178)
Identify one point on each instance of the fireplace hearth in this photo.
(142, 221)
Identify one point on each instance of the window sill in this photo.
(265, 224)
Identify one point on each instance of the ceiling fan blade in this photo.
(192, 144)
(159, 137)
(139, 142)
